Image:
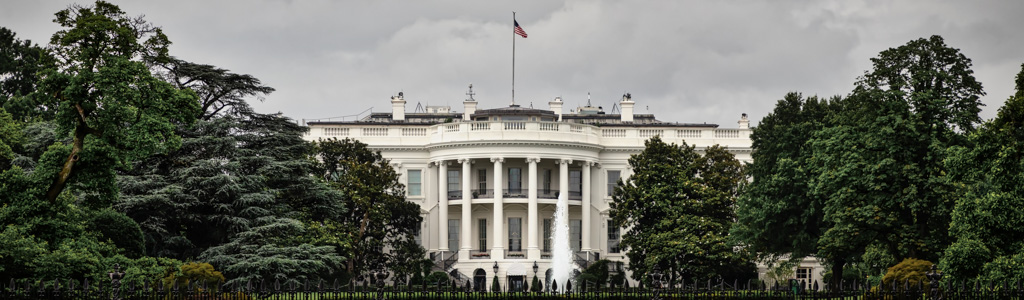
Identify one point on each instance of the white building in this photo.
(487, 180)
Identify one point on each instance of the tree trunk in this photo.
(65, 173)
(837, 274)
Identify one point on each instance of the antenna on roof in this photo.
(419, 108)
(615, 108)
(470, 93)
(588, 99)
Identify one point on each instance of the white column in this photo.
(497, 250)
(586, 206)
(467, 198)
(563, 177)
(442, 204)
(532, 250)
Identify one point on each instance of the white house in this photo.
(487, 180)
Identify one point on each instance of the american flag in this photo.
(519, 30)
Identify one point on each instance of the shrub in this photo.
(196, 273)
(911, 270)
(436, 277)
(124, 232)
(494, 284)
(535, 285)
(1004, 269)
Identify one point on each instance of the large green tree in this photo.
(777, 213)
(104, 96)
(678, 208)
(238, 191)
(879, 163)
(988, 219)
(378, 217)
(20, 63)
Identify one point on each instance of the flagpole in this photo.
(513, 60)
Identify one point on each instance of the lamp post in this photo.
(380, 275)
(656, 277)
(933, 280)
(115, 282)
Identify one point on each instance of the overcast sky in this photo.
(684, 61)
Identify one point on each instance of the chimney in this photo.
(556, 106)
(398, 107)
(626, 105)
(469, 104)
(744, 123)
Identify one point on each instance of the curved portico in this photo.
(482, 183)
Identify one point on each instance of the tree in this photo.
(106, 98)
(987, 218)
(218, 88)
(20, 62)
(879, 163)
(379, 218)
(777, 212)
(677, 207)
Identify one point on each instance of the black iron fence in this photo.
(321, 290)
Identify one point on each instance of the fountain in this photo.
(562, 265)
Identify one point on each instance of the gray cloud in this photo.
(685, 61)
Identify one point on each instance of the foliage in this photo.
(195, 273)
(20, 63)
(989, 173)
(535, 285)
(495, 287)
(121, 230)
(777, 212)
(378, 216)
(879, 163)
(220, 91)
(436, 277)
(596, 274)
(265, 252)
(678, 220)
(1008, 268)
(11, 138)
(105, 97)
(910, 270)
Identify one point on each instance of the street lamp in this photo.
(535, 267)
(495, 268)
(656, 282)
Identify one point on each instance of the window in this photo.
(547, 235)
(575, 183)
(515, 180)
(483, 234)
(454, 182)
(547, 181)
(613, 178)
(575, 234)
(415, 183)
(453, 235)
(481, 178)
(515, 237)
(613, 237)
(803, 273)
